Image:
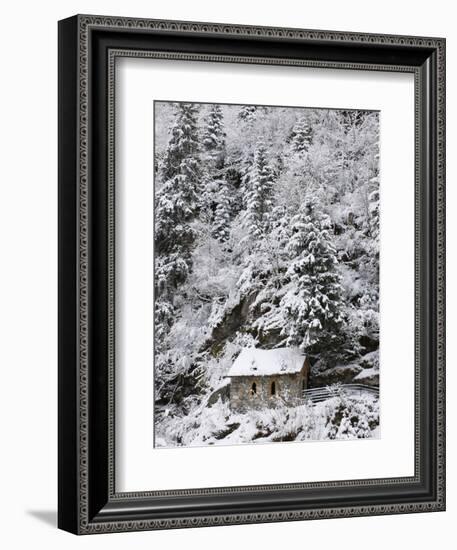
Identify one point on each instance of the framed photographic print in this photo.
(251, 274)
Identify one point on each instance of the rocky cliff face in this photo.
(364, 371)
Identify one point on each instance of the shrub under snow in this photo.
(337, 418)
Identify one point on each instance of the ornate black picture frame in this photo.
(88, 47)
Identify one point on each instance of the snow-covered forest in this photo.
(267, 236)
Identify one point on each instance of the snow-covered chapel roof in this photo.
(267, 362)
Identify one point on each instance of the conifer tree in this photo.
(176, 202)
(248, 113)
(312, 305)
(259, 193)
(222, 215)
(214, 135)
(246, 168)
(183, 143)
(301, 136)
(214, 158)
(208, 199)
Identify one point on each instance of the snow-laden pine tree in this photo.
(213, 159)
(248, 113)
(223, 214)
(214, 135)
(215, 210)
(301, 136)
(259, 193)
(246, 169)
(208, 199)
(176, 202)
(312, 304)
(183, 143)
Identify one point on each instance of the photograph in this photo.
(266, 274)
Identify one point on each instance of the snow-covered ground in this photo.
(355, 417)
